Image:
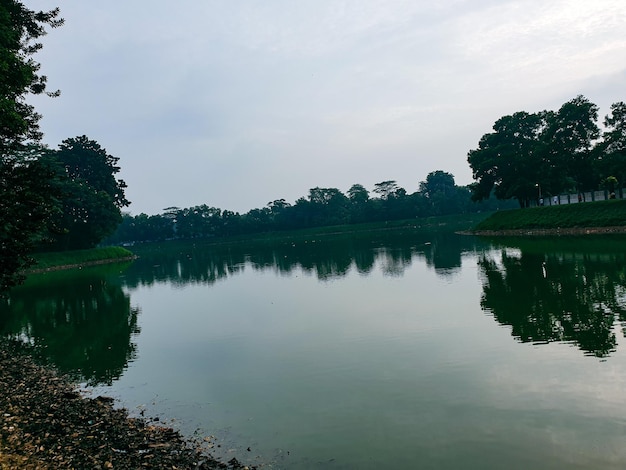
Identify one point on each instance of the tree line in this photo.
(437, 195)
(70, 198)
(551, 152)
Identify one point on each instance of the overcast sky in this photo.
(236, 103)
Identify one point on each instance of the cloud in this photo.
(273, 98)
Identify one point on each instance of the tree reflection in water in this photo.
(569, 290)
(81, 321)
(326, 258)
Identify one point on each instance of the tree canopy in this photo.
(549, 152)
(92, 197)
(438, 195)
(27, 197)
(612, 148)
(20, 29)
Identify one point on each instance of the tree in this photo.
(28, 203)
(441, 193)
(569, 139)
(360, 203)
(142, 228)
(92, 197)
(26, 197)
(509, 160)
(329, 206)
(358, 194)
(85, 160)
(277, 206)
(199, 222)
(612, 160)
(437, 182)
(19, 30)
(279, 210)
(386, 188)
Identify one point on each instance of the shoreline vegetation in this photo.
(589, 218)
(53, 261)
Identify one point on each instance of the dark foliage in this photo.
(91, 196)
(27, 206)
(438, 195)
(530, 156)
(27, 198)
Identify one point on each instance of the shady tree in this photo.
(508, 161)
(27, 199)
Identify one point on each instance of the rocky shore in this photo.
(45, 423)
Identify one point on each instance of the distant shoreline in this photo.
(539, 232)
(79, 265)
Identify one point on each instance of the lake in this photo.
(403, 350)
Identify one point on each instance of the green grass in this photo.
(78, 257)
(589, 214)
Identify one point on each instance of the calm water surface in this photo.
(426, 350)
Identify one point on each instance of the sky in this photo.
(238, 103)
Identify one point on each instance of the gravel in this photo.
(45, 423)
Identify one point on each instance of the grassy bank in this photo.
(77, 258)
(569, 216)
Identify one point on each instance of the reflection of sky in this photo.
(585, 378)
(372, 366)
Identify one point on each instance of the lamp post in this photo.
(539, 189)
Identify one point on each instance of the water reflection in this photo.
(558, 290)
(81, 321)
(566, 290)
(325, 258)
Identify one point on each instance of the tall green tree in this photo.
(509, 161)
(570, 136)
(613, 146)
(92, 196)
(20, 29)
(329, 206)
(26, 198)
(386, 189)
(441, 193)
(28, 203)
(86, 161)
(358, 194)
(437, 182)
(359, 203)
